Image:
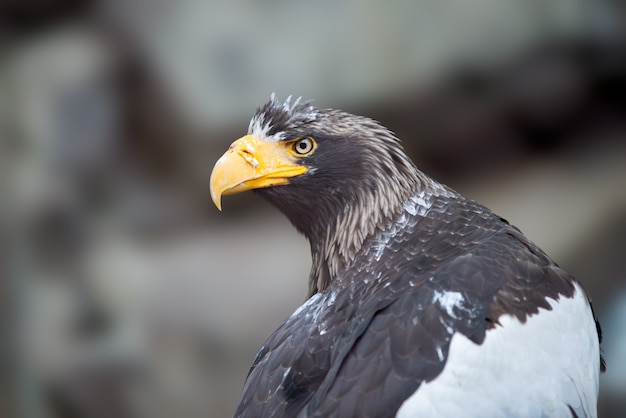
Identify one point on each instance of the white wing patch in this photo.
(533, 369)
(449, 301)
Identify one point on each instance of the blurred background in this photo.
(125, 293)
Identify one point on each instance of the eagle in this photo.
(421, 302)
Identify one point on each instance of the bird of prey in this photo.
(421, 303)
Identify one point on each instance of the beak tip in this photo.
(216, 196)
(217, 199)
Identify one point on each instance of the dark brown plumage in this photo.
(401, 265)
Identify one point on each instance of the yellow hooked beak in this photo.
(251, 163)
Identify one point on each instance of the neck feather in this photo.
(338, 246)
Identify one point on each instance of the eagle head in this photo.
(317, 166)
(337, 177)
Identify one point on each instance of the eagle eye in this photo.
(303, 146)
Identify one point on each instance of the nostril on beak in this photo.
(249, 157)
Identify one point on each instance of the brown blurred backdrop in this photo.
(125, 293)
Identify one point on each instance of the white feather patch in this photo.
(449, 301)
(533, 369)
(259, 126)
